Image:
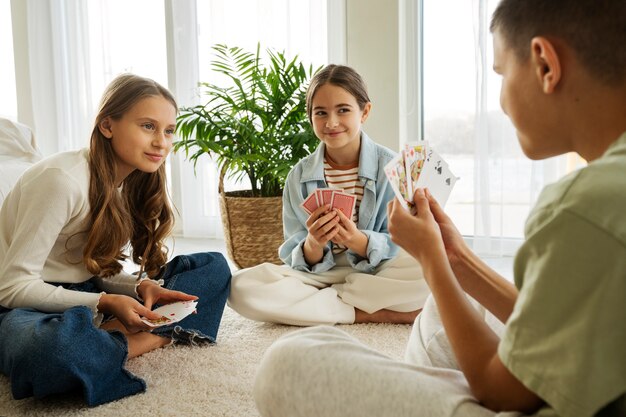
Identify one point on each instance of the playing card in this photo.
(171, 313)
(437, 177)
(396, 174)
(310, 204)
(324, 195)
(344, 203)
(414, 158)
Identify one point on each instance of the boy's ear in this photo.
(547, 63)
(366, 112)
(105, 128)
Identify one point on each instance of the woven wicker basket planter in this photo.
(253, 227)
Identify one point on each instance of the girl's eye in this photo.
(320, 113)
(169, 131)
(344, 110)
(149, 126)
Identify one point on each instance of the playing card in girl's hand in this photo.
(344, 203)
(325, 195)
(310, 204)
(171, 313)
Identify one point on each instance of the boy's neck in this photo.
(603, 123)
(592, 114)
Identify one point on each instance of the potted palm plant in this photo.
(255, 126)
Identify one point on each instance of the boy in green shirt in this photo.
(562, 351)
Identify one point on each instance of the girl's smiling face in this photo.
(337, 119)
(142, 137)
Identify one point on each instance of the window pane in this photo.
(494, 192)
(8, 98)
(126, 36)
(297, 27)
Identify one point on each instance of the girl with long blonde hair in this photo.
(68, 310)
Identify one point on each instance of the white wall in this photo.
(372, 49)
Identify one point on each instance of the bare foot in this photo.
(138, 343)
(385, 316)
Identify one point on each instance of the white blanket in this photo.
(18, 151)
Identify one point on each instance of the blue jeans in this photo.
(53, 353)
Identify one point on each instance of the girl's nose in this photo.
(159, 140)
(331, 122)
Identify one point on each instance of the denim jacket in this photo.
(308, 175)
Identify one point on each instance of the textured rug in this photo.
(199, 381)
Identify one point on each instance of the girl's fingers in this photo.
(327, 225)
(321, 221)
(328, 217)
(148, 302)
(332, 234)
(317, 214)
(173, 296)
(179, 295)
(147, 313)
(341, 216)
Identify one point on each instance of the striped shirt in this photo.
(346, 179)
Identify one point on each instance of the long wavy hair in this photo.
(139, 214)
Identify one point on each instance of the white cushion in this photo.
(18, 151)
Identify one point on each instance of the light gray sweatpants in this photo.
(323, 371)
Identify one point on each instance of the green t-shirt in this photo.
(566, 337)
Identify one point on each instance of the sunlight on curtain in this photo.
(126, 36)
(8, 98)
(498, 185)
(297, 27)
(56, 74)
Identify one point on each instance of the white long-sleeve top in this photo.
(43, 225)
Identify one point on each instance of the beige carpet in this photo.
(199, 381)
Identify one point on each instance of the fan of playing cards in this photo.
(419, 166)
(337, 199)
(172, 313)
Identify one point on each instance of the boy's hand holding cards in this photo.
(419, 166)
(337, 199)
(172, 313)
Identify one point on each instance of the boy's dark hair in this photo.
(594, 29)
(341, 76)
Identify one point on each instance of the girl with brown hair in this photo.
(338, 269)
(68, 310)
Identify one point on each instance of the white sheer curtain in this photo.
(297, 27)
(55, 74)
(463, 120)
(8, 98)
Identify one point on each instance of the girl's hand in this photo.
(452, 239)
(127, 310)
(152, 293)
(349, 235)
(419, 235)
(321, 226)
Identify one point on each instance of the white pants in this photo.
(323, 371)
(280, 294)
